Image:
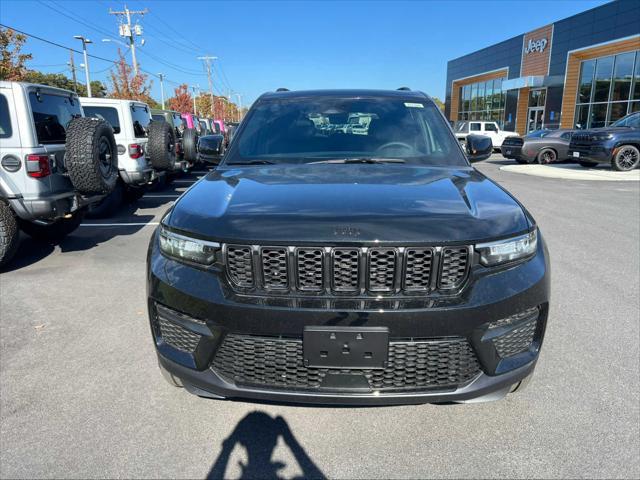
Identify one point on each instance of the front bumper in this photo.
(593, 152)
(200, 302)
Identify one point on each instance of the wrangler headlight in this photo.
(509, 250)
(187, 248)
(601, 137)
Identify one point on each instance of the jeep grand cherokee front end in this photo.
(326, 267)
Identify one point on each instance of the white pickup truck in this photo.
(490, 129)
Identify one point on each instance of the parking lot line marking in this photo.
(124, 224)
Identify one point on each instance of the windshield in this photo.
(307, 129)
(632, 121)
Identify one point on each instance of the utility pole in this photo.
(130, 31)
(161, 75)
(86, 61)
(72, 66)
(239, 106)
(207, 59)
(195, 109)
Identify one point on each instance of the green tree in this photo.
(62, 81)
(438, 102)
(11, 60)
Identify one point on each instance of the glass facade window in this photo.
(482, 101)
(609, 89)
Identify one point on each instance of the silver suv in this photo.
(54, 163)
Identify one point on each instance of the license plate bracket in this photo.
(346, 347)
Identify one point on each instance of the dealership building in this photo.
(580, 72)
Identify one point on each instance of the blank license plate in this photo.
(576, 154)
(345, 347)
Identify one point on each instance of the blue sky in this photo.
(264, 45)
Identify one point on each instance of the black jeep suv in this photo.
(618, 144)
(322, 265)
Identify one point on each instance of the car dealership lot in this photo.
(81, 394)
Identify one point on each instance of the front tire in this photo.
(627, 158)
(9, 233)
(54, 232)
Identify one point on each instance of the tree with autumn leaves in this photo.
(125, 84)
(12, 61)
(181, 101)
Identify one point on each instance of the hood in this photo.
(332, 203)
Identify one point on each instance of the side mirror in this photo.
(479, 147)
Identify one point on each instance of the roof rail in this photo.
(282, 89)
(404, 89)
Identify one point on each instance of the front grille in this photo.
(271, 362)
(177, 336)
(347, 271)
(517, 340)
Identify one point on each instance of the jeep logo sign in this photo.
(536, 46)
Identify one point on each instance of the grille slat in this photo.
(348, 270)
(240, 265)
(382, 269)
(310, 269)
(418, 264)
(271, 362)
(274, 268)
(453, 270)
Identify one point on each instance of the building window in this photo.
(608, 89)
(482, 101)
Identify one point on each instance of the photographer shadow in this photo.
(258, 433)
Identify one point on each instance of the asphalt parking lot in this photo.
(81, 394)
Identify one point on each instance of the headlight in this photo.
(187, 248)
(601, 137)
(509, 250)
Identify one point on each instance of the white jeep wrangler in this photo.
(489, 129)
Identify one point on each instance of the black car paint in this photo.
(590, 149)
(385, 203)
(211, 148)
(339, 205)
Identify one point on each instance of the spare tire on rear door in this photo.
(190, 144)
(161, 148)
(91, 157)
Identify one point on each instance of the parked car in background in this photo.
(211, 149)
(179, 124)
(54, 163)
(146, 150)
(490, 129)
(617, 144)
(541, 146)
(348, 269)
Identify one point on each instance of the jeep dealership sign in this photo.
(536, 46)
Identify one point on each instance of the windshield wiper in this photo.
(360, 160)
(253, 162)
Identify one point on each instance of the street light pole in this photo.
(86, 61)
(161, 75)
